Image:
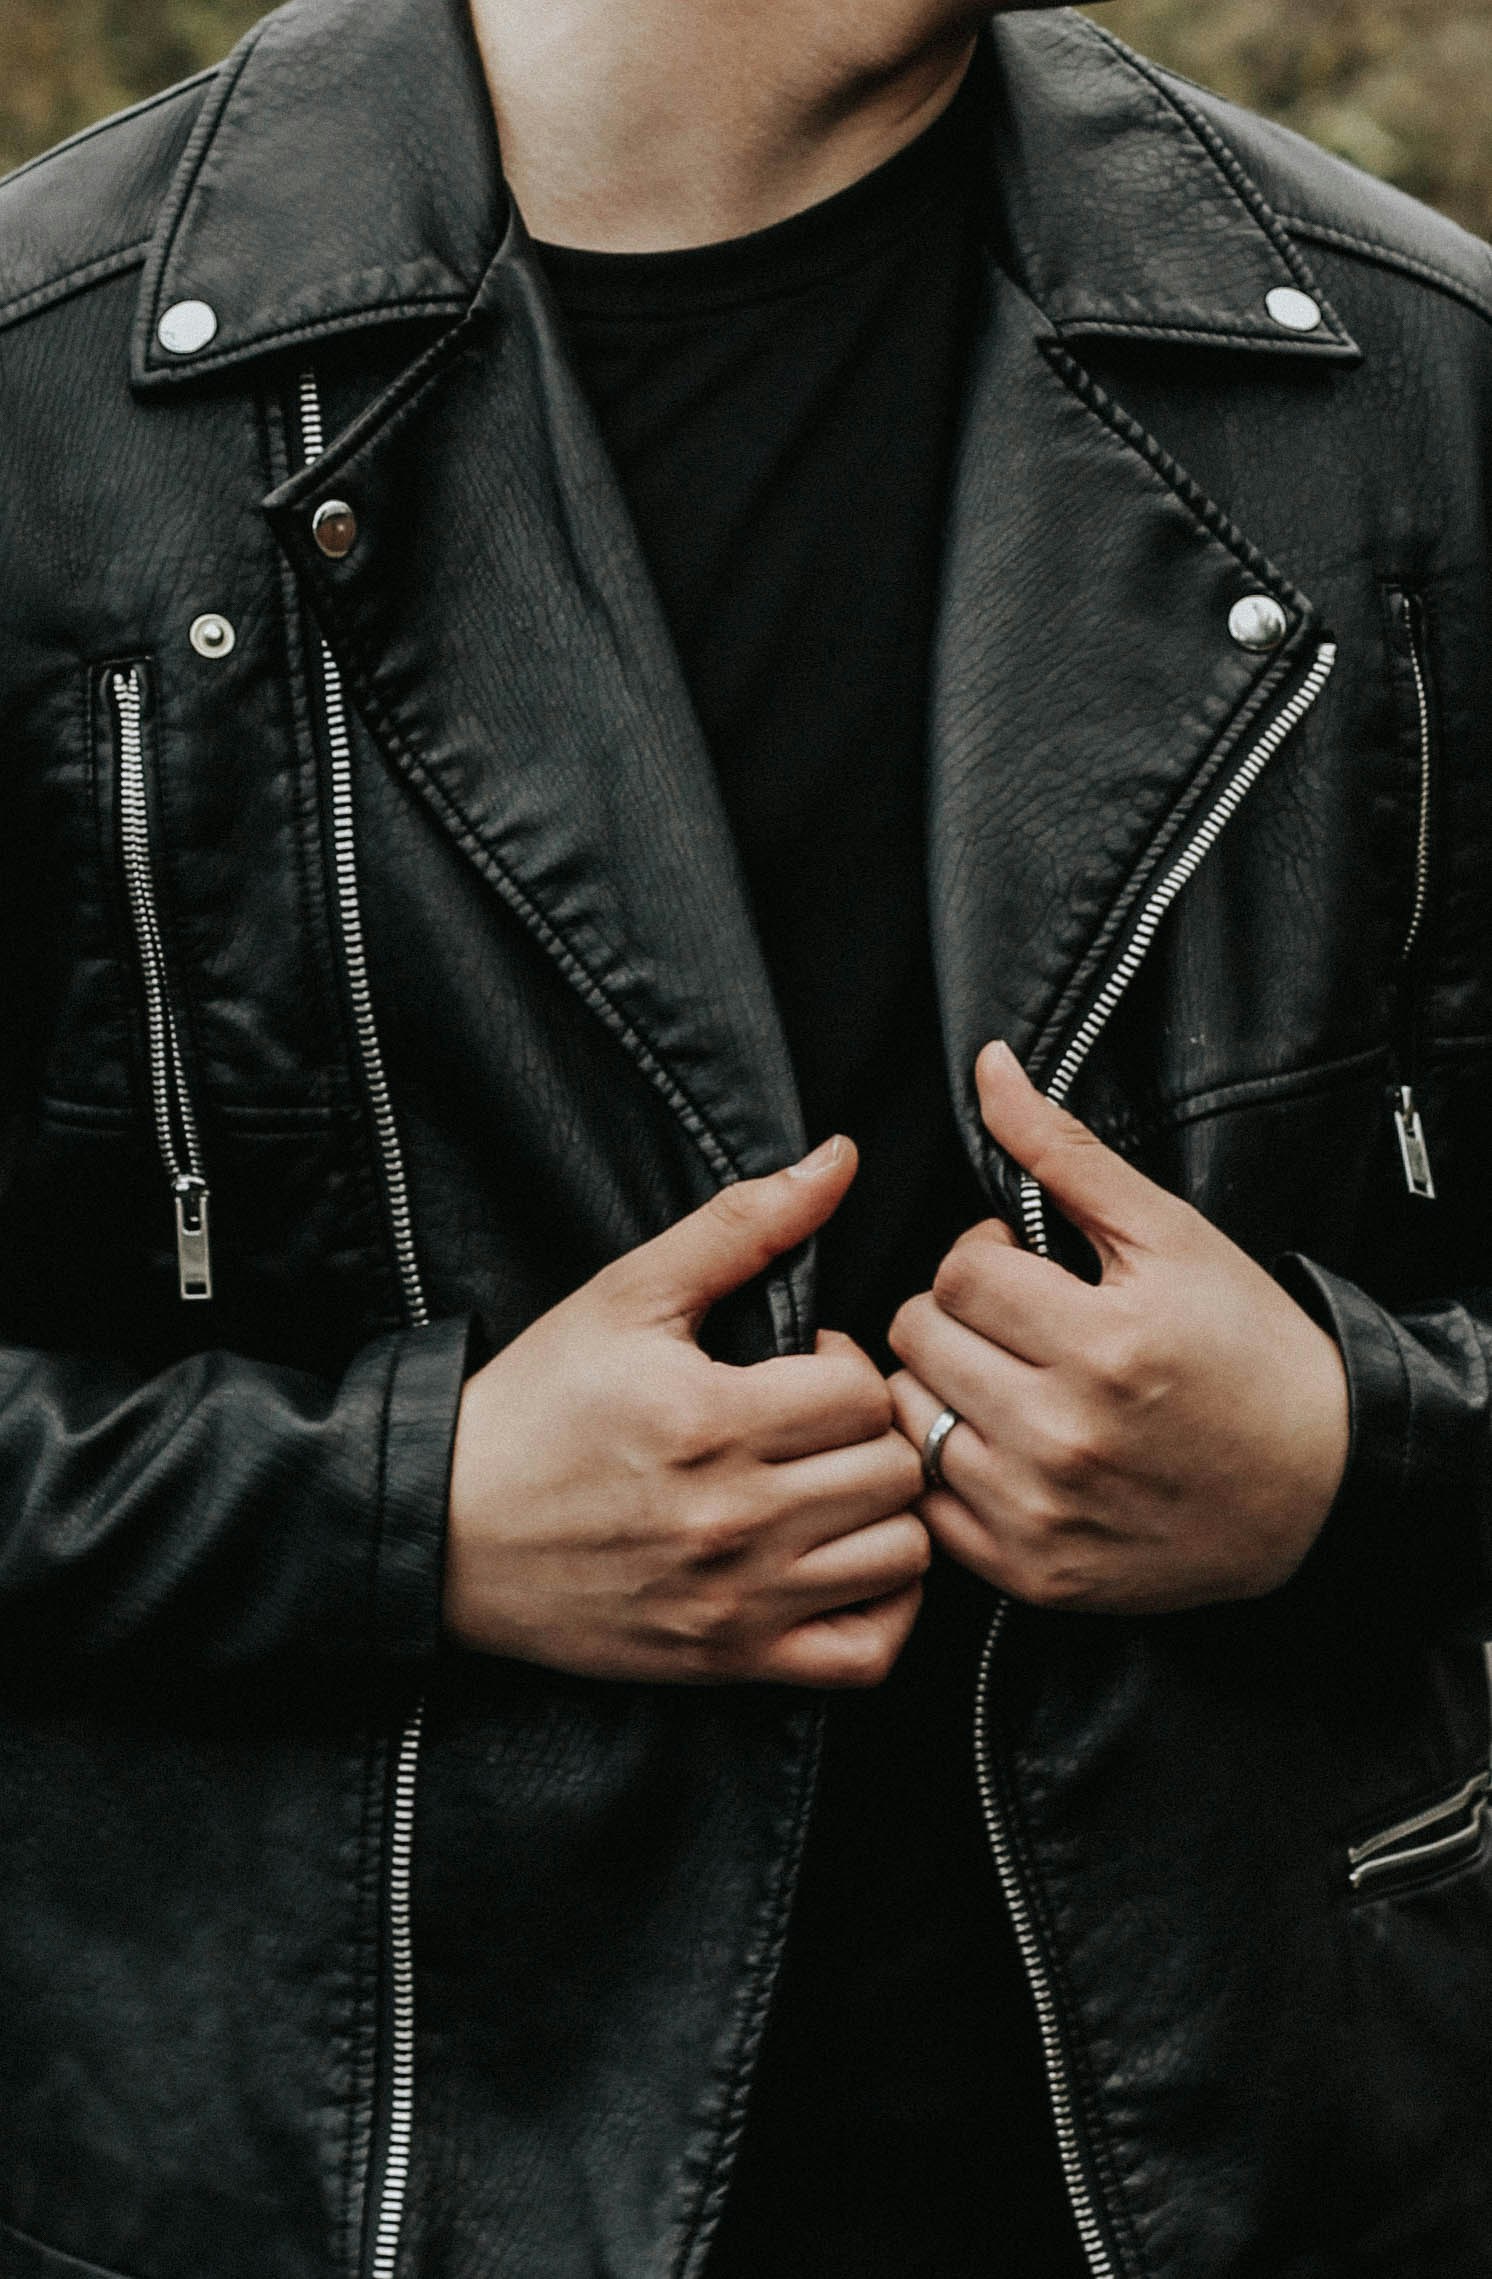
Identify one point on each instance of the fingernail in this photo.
(825, 1158)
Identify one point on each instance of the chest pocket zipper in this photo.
(172, 1112)
(1446, 1835)
(1411, 661)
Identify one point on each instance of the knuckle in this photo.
(692, 1425)
(953, 1284)
(1058, 1587)
(719, 1536)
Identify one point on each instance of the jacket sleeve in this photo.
(1411, 1527)
(227, 1513)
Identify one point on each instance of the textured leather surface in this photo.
(220, 1555)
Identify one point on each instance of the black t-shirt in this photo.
(781, 411)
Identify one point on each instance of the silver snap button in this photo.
(213, 637)
(1295, 310)
(334, 528)
(1258, 622)
(188, 328)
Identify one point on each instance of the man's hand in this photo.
(1172, 1437)
(624, 1507)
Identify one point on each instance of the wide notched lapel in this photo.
(1087, 689)
(498, 631)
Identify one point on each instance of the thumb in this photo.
(734, 1237)
(1105, 1197)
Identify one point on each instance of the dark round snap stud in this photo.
(334, 528)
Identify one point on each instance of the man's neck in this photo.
(637, 126)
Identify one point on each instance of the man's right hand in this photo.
(624, 1507)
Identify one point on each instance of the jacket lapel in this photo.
(498, 630)
(1087, 690)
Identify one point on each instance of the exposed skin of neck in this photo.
(640, 126)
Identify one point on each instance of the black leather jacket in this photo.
(383, 890)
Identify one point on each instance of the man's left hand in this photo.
(1172, 1436)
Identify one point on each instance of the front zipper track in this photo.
(176, 1135)
(1048, 2019)
(1080, 2189)
(388, 2190)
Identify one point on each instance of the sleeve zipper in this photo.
(1414, 1153)
(172, 1111)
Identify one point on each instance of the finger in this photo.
(1117, 1207)
(802, 1404)
(837, 1493)
(856, 1647)
(1029, 1305)
(972, 1470)
(737, 1235)
(989, 1387)
(873, 1563)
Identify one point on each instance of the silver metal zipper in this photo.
(1414, 1151)
(1080, 2189)
(389, 2189)
(1059, 2077)
(175, 1120)
(1158, 902)
(1393, 1850)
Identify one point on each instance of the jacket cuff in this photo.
(1408, 1529)
(428, 1370)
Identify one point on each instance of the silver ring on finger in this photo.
(934, 1444)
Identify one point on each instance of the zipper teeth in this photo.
(1473, 1794)
(1033, 1220)
(401, 1944)
(1187, 863)
(171, 1101)
(1426, 756)
(1059, 2084)
(391, 2187)
(354, 943)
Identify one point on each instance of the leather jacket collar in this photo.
(345, 171)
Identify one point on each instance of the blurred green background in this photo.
(1403, 87)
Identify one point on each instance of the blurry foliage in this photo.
(64, 63)
(1403, 87)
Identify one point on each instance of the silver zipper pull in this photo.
(193, 1240)
(1418, 1177)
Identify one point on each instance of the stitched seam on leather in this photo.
(204, 134)
(731, 2125)
(1259, 1091)
(1102, 407)
(318, 328)
(390, 413)
(61, 288)
(1378, 251)
(1239, 181)
(1235, 336)
(1115, 2206)
(551, 938)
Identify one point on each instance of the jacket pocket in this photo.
(129, 696)
(1438, 1840)
(1417, 737)
(22, 2257)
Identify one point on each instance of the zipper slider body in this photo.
(172, 1110)
(193, 1238)
(1414, 1152)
